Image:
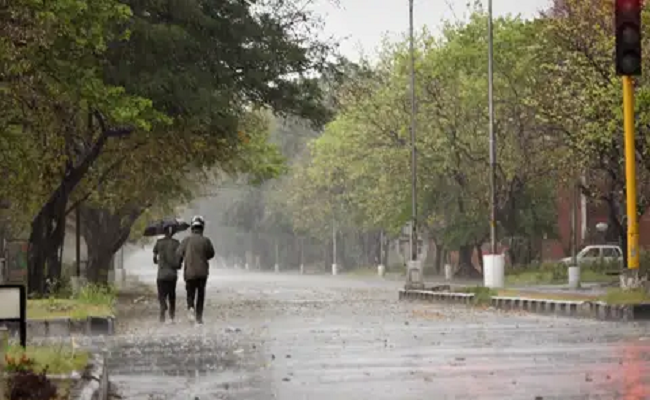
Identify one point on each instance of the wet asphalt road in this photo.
(277, 336)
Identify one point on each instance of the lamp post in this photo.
(414, 272)
(493, 263)
(493, 196)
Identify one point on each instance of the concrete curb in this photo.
(62, 327)
(94, 381)
(585, 309)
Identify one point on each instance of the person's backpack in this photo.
(168, 254)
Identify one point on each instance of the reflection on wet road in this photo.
(290, 337)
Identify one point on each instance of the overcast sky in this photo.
(361, 24)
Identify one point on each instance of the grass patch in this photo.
(482, 295)
(59, 359)
(552, 273)
(619, 296)
(546, 296)
(59, 308)
(91, 300)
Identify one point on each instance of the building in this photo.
(589, 214)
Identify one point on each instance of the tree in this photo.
(64, 111)
(365, 150)
(205, 64)
(164, 179)
(579, 103)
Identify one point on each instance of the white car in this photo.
(597, 253)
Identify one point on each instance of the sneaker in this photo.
(191, 315)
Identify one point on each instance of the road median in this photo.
(615, 305)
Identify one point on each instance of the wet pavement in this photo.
(282, 336)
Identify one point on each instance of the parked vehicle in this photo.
(597, 254)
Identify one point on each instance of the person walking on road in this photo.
(196, 251)
(164, 254)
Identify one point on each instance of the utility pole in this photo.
(493, 156)
(414, 205)
(414, 277)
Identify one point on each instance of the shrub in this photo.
(24, 383)
(96, 294)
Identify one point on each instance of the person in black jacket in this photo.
(164, 254)
(196, 251)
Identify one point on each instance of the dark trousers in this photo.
(196, 296)
(167, 292)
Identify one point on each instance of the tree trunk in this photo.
(48, 227)
(45, 241)
(479, 254)
(105, 233)
(465, 267)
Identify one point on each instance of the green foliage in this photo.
(191, 81)
(557, 273)
(358, 170)
(579, 103)
(51, 67)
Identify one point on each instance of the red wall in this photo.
(554, 249)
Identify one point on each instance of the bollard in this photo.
(381, 271)
(302, 269)
(335, 269)
(574, 277)
(449, 272)
(246, 267)
(277, 268)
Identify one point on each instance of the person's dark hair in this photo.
(169, 231)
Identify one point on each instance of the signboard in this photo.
(13, 307)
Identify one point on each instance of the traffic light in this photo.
(628, 37)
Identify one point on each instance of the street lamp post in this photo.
(414, 274)
(493, 156)
(493, 263)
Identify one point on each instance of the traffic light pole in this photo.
(630, 174)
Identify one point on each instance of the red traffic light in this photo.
(628, 37)
(626, 5)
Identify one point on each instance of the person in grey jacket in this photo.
(196, 251)
(164, 254)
